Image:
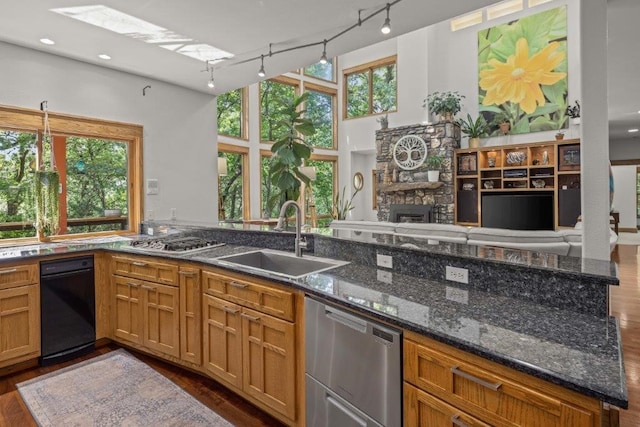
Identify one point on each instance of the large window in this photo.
(320, 106)
(322, 71)
(370, 88)
(272, 94)
(232, 111)
(99, 167)
(323, 188)
(233, 190)
(17, 167)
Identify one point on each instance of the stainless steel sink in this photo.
(280, 263)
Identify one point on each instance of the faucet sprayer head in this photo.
(280, 225)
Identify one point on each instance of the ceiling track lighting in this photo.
(261, 72)
(323, 58)
(211, 83)
(386, 27)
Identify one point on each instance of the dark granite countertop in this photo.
(579, 351)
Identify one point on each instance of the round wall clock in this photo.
(410, 152)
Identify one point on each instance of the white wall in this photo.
(179, 124)
(453, 65)
(624, 197)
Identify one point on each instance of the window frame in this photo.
(64, 125)
(244, 116)
(333, 93)
(296, 83)
(334, 80)
(369, 68)
(246, 193)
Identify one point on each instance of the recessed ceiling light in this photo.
(47, 41)
(633, 130)
(104, 56)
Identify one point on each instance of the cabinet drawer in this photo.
(422, 409)
(264, 298)
(488, 394)
(146, 269)
(18, 275)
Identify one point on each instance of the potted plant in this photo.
(433, 163)
(559, 135)
(475, 129)
(573, 111)
(384, 121)
(290, 150)
(445, 104)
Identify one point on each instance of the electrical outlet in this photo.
(457, 274)
(385, 261)
(150, 231)
(385, 276)
(150, 215)
(457, 295)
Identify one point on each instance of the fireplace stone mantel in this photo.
(410, 187)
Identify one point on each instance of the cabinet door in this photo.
(222, 343)
(422, 409)
(161, 327)
(126, 309)
(190, 323)
(269, 360)
(19, 322)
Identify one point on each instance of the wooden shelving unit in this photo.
(552, 166)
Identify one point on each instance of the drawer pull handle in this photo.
(134, 285)
(139, 264)
(229, 309)
(456, 421)
(253, 319)
(238, 285)
(149, 288)
(8, 271)
(492, 386)
(187, 273)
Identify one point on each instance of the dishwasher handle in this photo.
(346, 319)
(65, 274)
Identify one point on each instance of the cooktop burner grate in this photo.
(176, 244)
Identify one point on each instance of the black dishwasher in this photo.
(67, 309)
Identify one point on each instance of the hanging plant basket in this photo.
(47, 184)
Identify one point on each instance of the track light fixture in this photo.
(211, 83)
(386, 27)
(362, 18)
(323, 58)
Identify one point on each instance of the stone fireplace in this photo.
(396, 186)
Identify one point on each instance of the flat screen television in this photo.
(518, 211)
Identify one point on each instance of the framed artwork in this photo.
(569, 157)
(522, 73)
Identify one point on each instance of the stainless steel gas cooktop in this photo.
(175, 244)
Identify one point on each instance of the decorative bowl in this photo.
(516, 157)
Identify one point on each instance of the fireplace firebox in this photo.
(411, 213)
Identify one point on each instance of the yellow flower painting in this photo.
(523, 72)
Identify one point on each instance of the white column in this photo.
(594, 129)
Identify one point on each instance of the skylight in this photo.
(136, 28)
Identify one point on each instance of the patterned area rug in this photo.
(114, 389)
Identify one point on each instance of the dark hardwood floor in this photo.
(625, 305)
(14, 413)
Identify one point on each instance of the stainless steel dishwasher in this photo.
(353, 369)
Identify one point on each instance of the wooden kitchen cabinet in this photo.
(423, 410)
(222, 340)
(161, 321)
(145, 268)
(190, 314)
(250, 336)
(490, 392)
(19, 313)
(126, 309)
